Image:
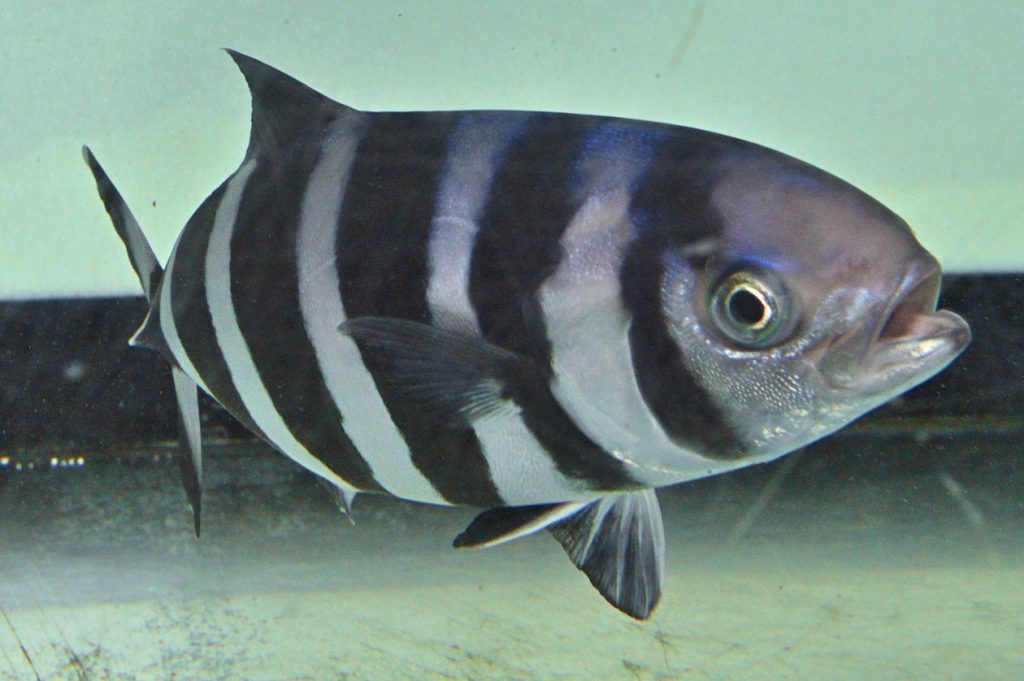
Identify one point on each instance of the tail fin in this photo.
(139, 251)
(190, 456)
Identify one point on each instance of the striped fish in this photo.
(543, 315)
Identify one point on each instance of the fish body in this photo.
(545, 315)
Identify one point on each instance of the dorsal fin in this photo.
(283, 109)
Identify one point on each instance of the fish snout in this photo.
(911, 314)
(905, 342)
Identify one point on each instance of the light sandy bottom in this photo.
(897, 625)
(834, 577)
(773, 610)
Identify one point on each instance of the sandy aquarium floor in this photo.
(847, 579)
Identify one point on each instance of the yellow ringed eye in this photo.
(749, 309)
(749, 306)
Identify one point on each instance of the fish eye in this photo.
(750, 309)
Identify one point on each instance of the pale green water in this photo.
(917, 103)
(920, 104)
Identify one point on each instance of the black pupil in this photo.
(745, 307)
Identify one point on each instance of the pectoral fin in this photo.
(499, 525)
(453, 377)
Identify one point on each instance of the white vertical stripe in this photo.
(234, 349)
(350, 384)
(169, 327)
(588, 327)
(475, 151)
(521, 469)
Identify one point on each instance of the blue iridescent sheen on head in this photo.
(618, 143)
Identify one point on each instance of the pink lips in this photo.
(906, 343)
(910, 318)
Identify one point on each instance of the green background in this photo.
(919, 103)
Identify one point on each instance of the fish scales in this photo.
(532, 201)
(381, 248)
(544, 315)
(520, 467)
(265, 296)
(675, 184)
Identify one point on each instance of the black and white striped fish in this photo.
(543, 315)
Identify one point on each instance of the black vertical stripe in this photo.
(518, 247)
(265, 293)
(192, 313)
(382, 255)
(518, 244)
(671, 207)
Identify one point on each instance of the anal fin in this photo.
(190, 442)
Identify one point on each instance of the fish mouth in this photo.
(907, 342)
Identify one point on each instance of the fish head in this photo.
(810, 305)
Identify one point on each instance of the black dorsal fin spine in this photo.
(283, 109)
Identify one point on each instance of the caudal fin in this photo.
(139, 251)
(190, 457)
